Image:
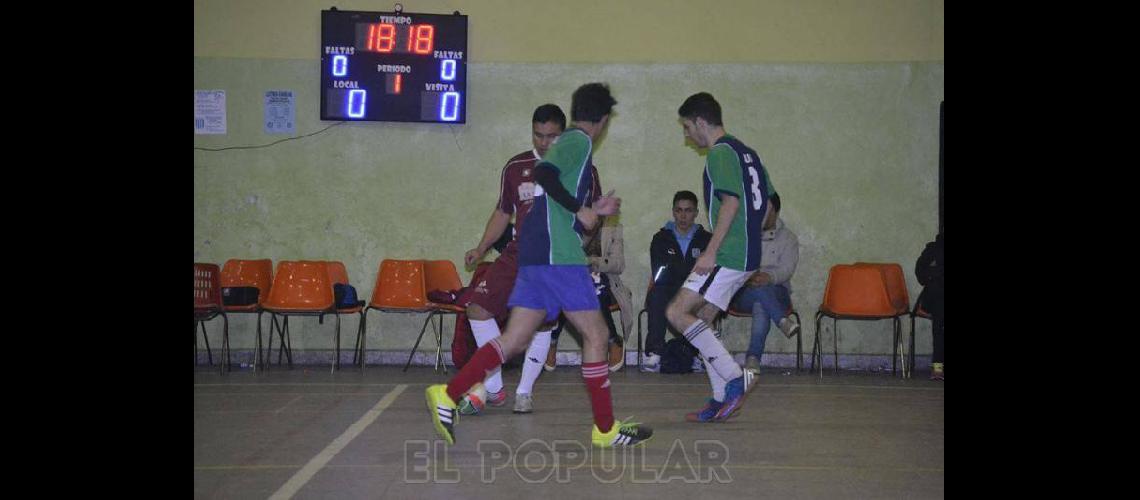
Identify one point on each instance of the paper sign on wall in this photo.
(279, 112)
(209, 112)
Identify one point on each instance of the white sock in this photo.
(484, 331)
(716, 381)
(535, 358)
(712, 351)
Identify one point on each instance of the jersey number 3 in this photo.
(757, 196)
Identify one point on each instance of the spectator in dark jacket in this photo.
(672, 254)
(931, 275)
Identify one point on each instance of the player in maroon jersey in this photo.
(487, 300)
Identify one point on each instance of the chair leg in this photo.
(640, 347)
(817, 345)
(422, 330)
(257, 356)
(286, 343)
(911, 354)
(799, 344)
(895, 340)
(336, 353)
(439, 344)
(209, 355)
(835, 340)
(362, 335)
(225, 343)
(195, 342)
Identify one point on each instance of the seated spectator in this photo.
(768, 293)
(672, 254)
(929, 271)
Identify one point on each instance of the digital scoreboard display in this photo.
(393, 66)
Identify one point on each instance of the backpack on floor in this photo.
(678, 356)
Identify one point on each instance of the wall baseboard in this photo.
(244, 359)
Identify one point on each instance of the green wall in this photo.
(851, 146)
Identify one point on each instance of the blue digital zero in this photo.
(446, 114)
(447, 70)
(393, 67)
(356, 99)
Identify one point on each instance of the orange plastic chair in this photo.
(900, 299)
(300, 288)
(207, 306)
(790, 312)
(860, 292)
(256, 273)
(399, 289)
(438, 275)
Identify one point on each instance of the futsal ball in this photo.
(474, 401)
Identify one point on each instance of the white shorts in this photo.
(718, 286)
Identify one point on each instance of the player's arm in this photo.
(724, 168)
(729, 204)
(546, 175)
(496, 224)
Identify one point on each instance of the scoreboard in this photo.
(393, 66)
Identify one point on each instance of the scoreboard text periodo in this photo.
(387, 66)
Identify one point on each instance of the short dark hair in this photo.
(685, 195)
(591, 102)
(776, 201)
(701, 105)
(549, 113)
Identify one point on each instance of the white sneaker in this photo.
(789, 327)
(650, 363)
(524, 403)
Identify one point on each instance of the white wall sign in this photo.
(279, 112)
(209, 112)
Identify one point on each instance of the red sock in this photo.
(597, 377)
(484, 361)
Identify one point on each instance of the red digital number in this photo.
(398, 78)
(421, 38)
(381, 37)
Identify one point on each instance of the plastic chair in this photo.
(438, 275)
(861, 292)
(900, 298)
(399, 289)
(790, 312)
(300, 288)
(338, 275)
(207, 306)
(256, 273)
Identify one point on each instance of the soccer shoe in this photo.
(789, 327)
(705, 414)
(443, 411)
(616, 356)
(621, 434)
(937, 371)
(524, 403)
(734, 394)
(497, 399)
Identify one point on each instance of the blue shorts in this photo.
(554, 289)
